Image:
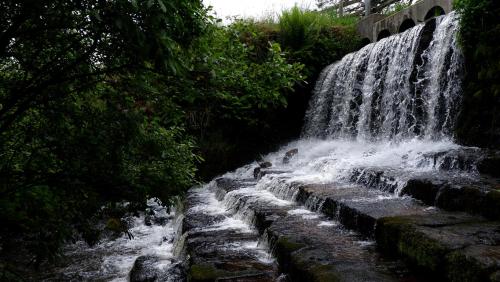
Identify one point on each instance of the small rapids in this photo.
(113, 258)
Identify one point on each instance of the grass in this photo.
(299, 27)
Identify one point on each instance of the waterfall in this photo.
(393, 89)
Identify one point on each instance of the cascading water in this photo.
(390, 106)
(371, 95)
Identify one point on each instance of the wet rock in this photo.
(451, 245)
(175, 273)
(466, 199)
(358, 208)
(265, 164)
(490, 165)
(156, 213)
(424, 189)
(307, 252)
(289, 155)
(256, 172)
(263, 172)
(229, 184)
(463, 159)
(491, 205)
(474, 198)
(217, 253)
(144, 269)
(375, 178)
(156, 218)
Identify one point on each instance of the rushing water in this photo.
(391, 105)
(380, 93)
(113, 258)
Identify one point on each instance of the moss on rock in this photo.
(204, 273)
(398, 236)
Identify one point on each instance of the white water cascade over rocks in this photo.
(375, 172)
(392, 90)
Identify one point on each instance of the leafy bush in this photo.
(85, 118)
(242, 78)
(267, 54)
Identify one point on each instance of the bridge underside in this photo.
(377, 26)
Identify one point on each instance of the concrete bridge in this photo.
(375, 26)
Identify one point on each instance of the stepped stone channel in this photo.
(375, 190)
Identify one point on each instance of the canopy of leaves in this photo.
(104, 104)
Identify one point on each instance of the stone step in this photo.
(356, 207)
(461, 159)
(308, 246)
(453, 245)
(310, 250)
(218, 252)
(447, 191)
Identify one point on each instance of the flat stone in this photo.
(356, 207)
(444, 190)
(456, 246)
(309, 252)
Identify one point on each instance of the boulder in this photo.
(144, 269)
(265, 164)
(289, 155)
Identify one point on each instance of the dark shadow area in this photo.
(365, 41)
(435, 11)
(383, 34)
(406, 24)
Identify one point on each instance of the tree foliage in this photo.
(85, 121)
(104, 104)
(479, 121)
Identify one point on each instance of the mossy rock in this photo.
(324, 273)
(204, 273)
(306, 267)
(462, 269)
(388, 232)
(115, 225)
(468, 199)
(287, 245)
(495, 277)
(398, 236)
